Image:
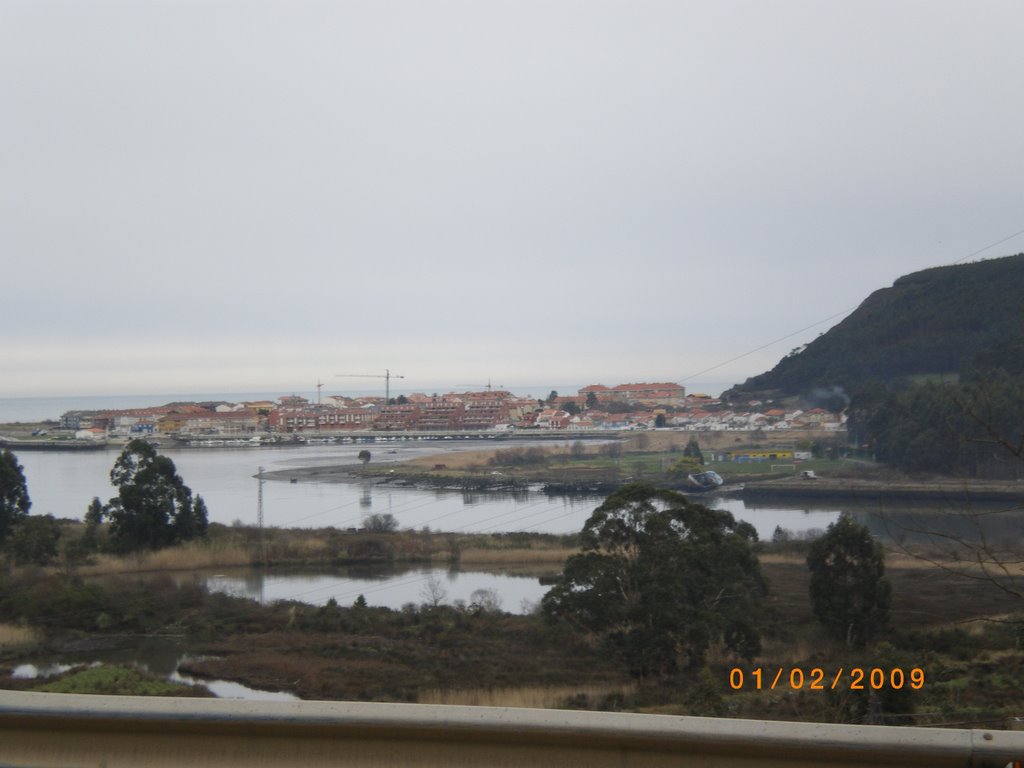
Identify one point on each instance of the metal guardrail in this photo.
(55, 730)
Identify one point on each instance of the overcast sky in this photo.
(248, 196)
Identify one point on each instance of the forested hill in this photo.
(929, 322)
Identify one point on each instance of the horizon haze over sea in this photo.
(51, 407)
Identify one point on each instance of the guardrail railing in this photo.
(40, 729)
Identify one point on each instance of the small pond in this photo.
(157, 655)
(384, 586)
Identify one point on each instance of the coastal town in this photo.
(596, 407)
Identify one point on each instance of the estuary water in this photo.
(63, 484)
(382, 586)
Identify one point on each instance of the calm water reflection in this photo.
(386, 586)
(999, 524)
(63, 484)
(159, 656)
(395, 586)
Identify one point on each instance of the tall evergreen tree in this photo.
(154, 508)
(693, 450)
(661, 579)
(14, 500)
(849, 592)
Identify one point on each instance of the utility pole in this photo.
(388, 375)
(486, 386)
(319, 386)
(259, 513)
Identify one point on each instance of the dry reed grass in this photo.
(188, 557)
(531, 697)
(894, 560)
(299, 547)
(789, 650)
(454, 460)
(781, 558)
(541, 556)
(12, 636)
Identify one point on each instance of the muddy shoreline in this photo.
(872, 490)
(946, 490)
(553, 483)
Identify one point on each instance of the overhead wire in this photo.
(424, 578)
(517, 517)
(988, 247)
(409, 506)
(815, 324)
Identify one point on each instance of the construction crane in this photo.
(388, 376)
(486, 386)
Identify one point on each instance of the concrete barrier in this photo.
(55, 730)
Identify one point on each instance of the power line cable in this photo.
(839, 314)
(988, 247)
(769, 344)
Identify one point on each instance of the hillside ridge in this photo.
(928, 323)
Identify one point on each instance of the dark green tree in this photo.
(591, 399)
(660, 579)
(850, 595)
(693, 450)
(14, 500)
(704, 699)
(684, 466)
(972, 428)
(34, 540)
(94, 513)
(93, 520)
(191, 522)
(381, 523)
(154, 508)
(364, 456)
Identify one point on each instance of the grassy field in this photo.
(115, 680)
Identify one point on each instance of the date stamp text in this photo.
(818, 679)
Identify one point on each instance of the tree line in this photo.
(153, 509)
(973, 427)
(661, 579)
